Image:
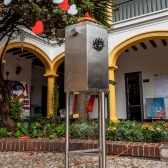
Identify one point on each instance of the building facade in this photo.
(137, 56)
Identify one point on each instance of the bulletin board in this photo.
(161, 86)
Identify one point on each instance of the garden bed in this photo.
(123, 138)
(129, 131)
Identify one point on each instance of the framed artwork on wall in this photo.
(19, 89)
(155, 107)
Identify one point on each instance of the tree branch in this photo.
(4, 49)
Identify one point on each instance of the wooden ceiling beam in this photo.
(143, 45)
(27, 54)
(153, 43)
(19, 52)
(35, 59)
(164, 42)
(30, 57)
(134, 48)
(126, 50)
(12, 50)
(38, 64)
(38, 61)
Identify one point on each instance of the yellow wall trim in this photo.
(133, 40)
(113, 67)
(33, 49)
(47, 63)
(57, 61)
(3, 61)
(50, 74)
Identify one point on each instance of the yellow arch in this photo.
(33, 49)
(50, 74)
(121, 47)
(57, 61)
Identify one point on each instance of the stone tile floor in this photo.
(56, 160)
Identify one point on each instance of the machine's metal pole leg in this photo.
(67, 131)
(100, 126)
(103, 130)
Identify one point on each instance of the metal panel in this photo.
(97, 60)
(86, 69)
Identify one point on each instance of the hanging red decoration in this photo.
(38, 28)
(64, 5)
(87, 15)
(90, 105)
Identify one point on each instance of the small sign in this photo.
(75, 93)
(145, 80)
(75, 115)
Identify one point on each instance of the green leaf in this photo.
(19, 124)
(52, 136)
(25, 125)
(18, 133)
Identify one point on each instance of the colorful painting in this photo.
(155, 108)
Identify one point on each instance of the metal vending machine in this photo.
(86, 71)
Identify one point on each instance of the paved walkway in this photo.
(56, 160)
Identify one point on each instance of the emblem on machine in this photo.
(98, 44)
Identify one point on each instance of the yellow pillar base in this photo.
(114, 119)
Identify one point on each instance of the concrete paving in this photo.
(56, 160)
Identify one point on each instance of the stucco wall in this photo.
(125, 29)
(10, 66)
(150, 62)
(35, 79)
(24, 76)
(38, 80)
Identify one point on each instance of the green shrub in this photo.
(22, 129)
(28, 129)
(82, 131)
(156, 132)
(53, 136)
(4, 132)
(60, 130)
(135, 132)
(49, 128)
(121, 131)
(15, 107)
(35, 130)
(36, 118)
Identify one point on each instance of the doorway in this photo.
(134, 101)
